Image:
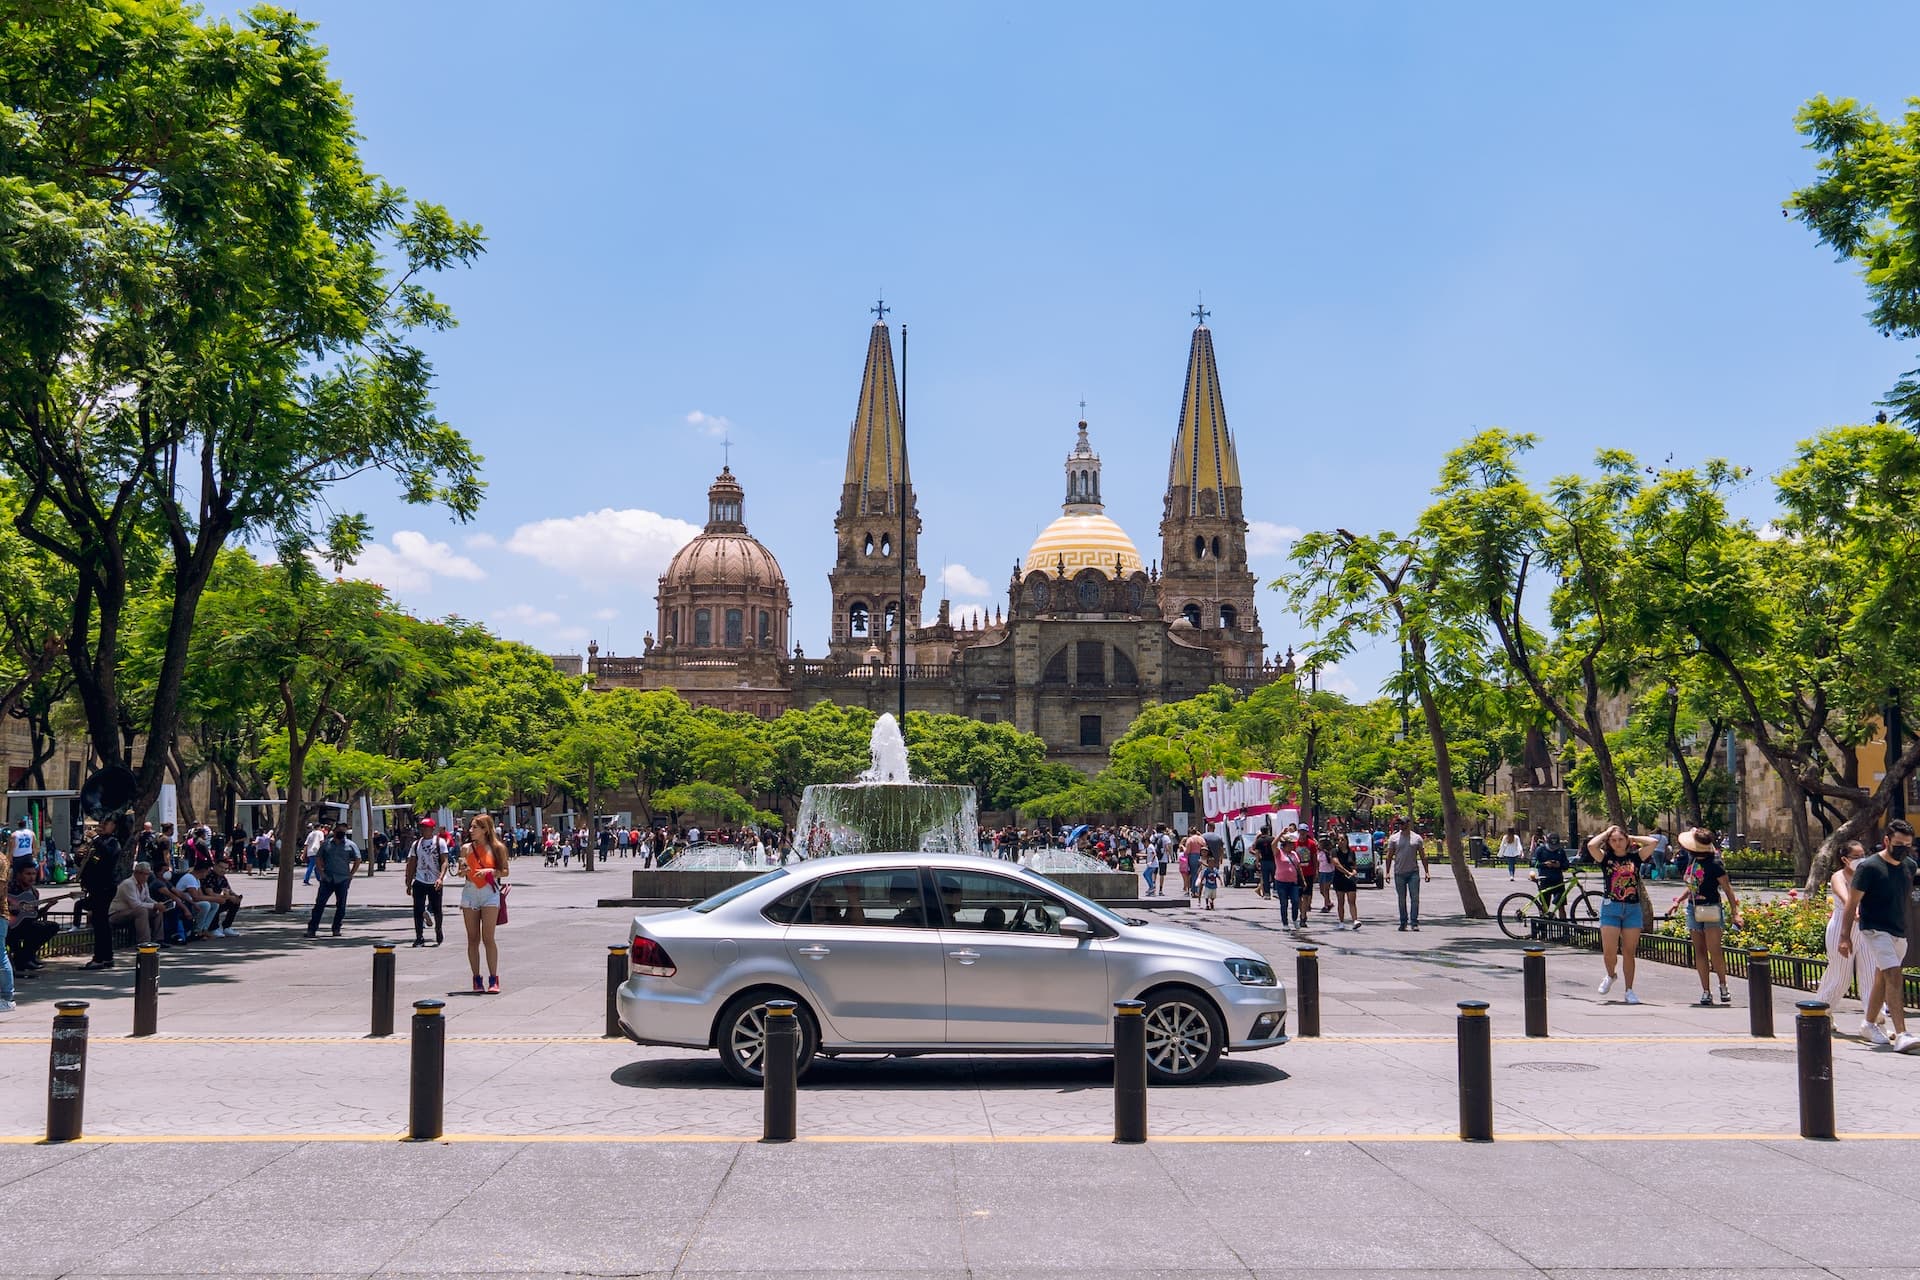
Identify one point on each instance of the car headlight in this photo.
(1252, 973)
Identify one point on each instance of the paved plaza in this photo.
(263, 1117)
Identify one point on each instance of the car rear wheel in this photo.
(1184, 1038)
(742, 1037)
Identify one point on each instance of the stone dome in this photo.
(724, 560)
(1090, 541)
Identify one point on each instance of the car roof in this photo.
(855, 861)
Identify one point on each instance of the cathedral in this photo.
(1089, 632)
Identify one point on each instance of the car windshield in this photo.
(725, 896)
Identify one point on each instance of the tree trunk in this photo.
(291, 813)
(1597, 743)
(1470, 901)
(593, 818)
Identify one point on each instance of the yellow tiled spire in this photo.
(1203, 456)
(877, 444)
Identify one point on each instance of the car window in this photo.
(996, 904)
(725, 896)
(866, 899)
(786, 908)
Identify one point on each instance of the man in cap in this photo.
(336, 861)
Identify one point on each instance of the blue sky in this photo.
(1409, 221)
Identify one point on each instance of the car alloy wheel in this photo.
(743, 1038)
(1183, 1038)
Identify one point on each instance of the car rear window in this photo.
(725, 896)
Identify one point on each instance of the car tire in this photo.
(1185, 1037)
(743, 1022)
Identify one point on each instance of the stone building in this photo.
(1089, 633)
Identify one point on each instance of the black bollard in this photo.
(146, 990)
(1129, 1071)
(382, 989)
(1813, 1038)
(779, 1073)
(1534, 981)
(1760, 994)
(67, 1072)
(1476, 1072)
(616, 975)
(427, 1090)
(1307, 978)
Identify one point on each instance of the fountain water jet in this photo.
(885, 811)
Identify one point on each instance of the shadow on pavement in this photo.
(1058, 1075)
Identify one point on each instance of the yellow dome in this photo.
(1084, 542)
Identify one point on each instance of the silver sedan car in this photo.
(929, 953)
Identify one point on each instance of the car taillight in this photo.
(649, 957)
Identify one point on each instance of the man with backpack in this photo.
(426, 874)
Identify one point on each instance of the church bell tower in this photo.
(868, 528)
(1206, 588)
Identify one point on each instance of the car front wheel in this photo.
(742, 1038)
(1184, 1038)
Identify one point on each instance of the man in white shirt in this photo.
(315, 838)
(22, 843)
(426, 874)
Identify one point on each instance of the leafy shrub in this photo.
(1770, 862)
(1790, 926)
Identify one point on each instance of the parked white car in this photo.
(925, 953)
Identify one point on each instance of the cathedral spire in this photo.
(877, 441)
(1203, 457)
(1083, 477)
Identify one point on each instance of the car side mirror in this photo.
(1075, 927)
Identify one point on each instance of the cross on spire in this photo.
(726, 453)
(880, 309)
(1200, 312)
(1083, 408)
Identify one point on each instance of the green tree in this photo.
(1863, 207)
(822, 743)
(591, 758)
(997, 760)
(207, 320)
(1348, 586)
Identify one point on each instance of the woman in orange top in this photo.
(484, 861)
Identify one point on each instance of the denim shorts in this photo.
(1619, 915)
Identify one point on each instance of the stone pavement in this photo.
(256, 1134)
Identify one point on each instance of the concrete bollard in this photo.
(616, 977)
(1760, 994)
(382, 990)
(146, 990)
(67, 1072)
(1307, 979)
(1129, 1071)
(427, 1085)
(1476, 1072)
(1813, 1042)
(1534, 983)
(780, 1073)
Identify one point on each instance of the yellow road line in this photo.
(937, 1139)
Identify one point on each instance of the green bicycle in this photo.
(1570, 900)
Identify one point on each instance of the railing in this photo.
(1802, 973)
(862, 673)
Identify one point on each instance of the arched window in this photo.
(1229, 617)
(703, 626)
(1124, 671)
(869, 547)
(893, 607)
(766, 627)
(1200, 548)
(857, 621)
(886, 544)
(736, 628)
(1192, 614)
(1056, 672)
(1216, 548)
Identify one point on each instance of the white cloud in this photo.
(410, 562)
(609, 547)
(481, 542)
(606, 615)
(1769, 532)
(969, 615)
(962, 581)
(1334, 680)
(1265, 538)
(709, 424)
(526, 615)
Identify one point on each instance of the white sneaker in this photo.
(1906, 1043)
(1632, 998)
(1874, 1035)
(1606, 984)
(6, 1006)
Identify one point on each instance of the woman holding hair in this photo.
(1709, 896)
(1620, 861)
(483, 860)
(1510, 850)
(1840, 968)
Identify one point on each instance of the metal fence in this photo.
(1802, 973)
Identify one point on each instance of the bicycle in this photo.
(1570, 901)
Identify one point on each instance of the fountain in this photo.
(881, 811)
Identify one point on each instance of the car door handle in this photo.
(965, 957)
(816, 951)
